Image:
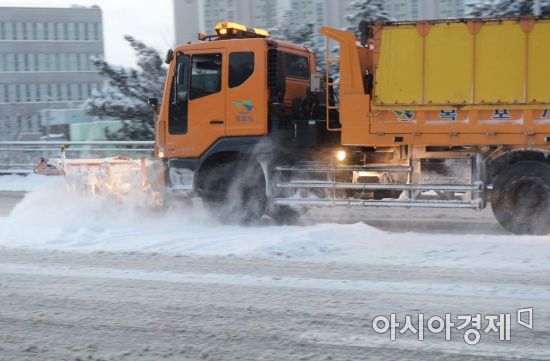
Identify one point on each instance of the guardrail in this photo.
(20, 157)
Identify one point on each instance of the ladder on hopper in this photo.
(329, 85)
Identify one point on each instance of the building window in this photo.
(3, 93)
(9, 32)
(72, 61)
(82, 62)
(52, 92)
(29, 62)
(35, 31)
(19, 31)
(19, 93)
(50, 31)
(89, 31)
(84, 91)
(10, 62)
(65, 31)
(43, 92)
(42, 64)
(97, 31)
(71, 31)
(12, 93)
(81, 31)
(19, 62)
(74, 90)
(27, 90)
(28, 31)
(31, 92)
(59, 33)
(52, 62)
(61, 61)
(40, 31)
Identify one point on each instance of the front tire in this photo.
(235, 192)
(520, 198)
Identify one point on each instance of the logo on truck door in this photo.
(244, 107)
(545, 114)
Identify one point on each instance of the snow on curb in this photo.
(52, 219)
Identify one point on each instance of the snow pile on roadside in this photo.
(29, 183)
(52, 219)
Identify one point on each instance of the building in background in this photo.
(45, 63)
(75, 124)
(194, 16)
(319, 12)
(333, 13)
(426, 9)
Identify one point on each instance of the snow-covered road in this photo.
(50, 218)
(120, 306)
(83, 278)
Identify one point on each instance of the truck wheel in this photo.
(234, 192)
(520, 198)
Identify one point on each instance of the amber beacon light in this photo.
(233, 30)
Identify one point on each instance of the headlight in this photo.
(341, 155)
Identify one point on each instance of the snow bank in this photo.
(51, 219)
(29, 183)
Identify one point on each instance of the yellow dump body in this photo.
(495, 62)
(479, 82)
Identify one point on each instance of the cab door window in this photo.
(241, 67)
(206, 75)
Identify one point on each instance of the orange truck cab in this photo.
(226, 96)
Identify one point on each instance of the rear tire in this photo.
(520, 198)
(235, 192)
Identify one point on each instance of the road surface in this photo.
(145, 306)
(8, 200)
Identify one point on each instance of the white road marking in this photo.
(466, 289)
(456, 346)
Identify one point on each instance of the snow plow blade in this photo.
(118, 177)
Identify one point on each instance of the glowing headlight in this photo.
(341, 155)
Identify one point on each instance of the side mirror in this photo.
(153, 103)
(169, 56)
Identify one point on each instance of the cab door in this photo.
(197, 105)
(246, 91)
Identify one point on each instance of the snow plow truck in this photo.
(440, 114)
